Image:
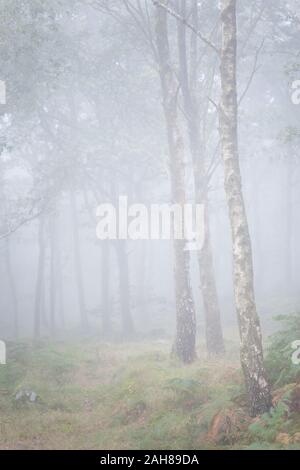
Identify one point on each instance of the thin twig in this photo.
(254, 70)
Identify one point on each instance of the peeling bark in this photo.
(249, 326)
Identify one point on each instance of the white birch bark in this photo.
(250, 331)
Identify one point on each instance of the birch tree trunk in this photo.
(184, 346)
(249, 326)
(213, 327)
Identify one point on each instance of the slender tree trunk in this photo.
(12, 286)
(39, 280)
(60, 288)
(126, 317)
(250, 332)
(142, 287)
(255, 214)
(289, 229)
(184, 346)
(213, 327)
(78, 264)
(105, 289)
(53, 284)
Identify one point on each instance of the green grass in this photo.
(108, 396)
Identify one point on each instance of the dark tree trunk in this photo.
(250, 331)
(213, 327)
(184, 346)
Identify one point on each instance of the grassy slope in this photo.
(104, 396)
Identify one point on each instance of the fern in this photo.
(279, 363)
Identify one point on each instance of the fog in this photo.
(96, 105)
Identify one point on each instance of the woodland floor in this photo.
(128, 396)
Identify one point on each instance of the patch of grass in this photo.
(105, 396)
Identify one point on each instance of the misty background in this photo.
(83, 124)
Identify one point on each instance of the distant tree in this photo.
(184, 345)
(192, 104)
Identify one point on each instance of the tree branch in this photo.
(254, 70)
(188, 25)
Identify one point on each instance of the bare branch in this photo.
(213, 103)
(188, 25)
(14, 228)
(254, 70)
